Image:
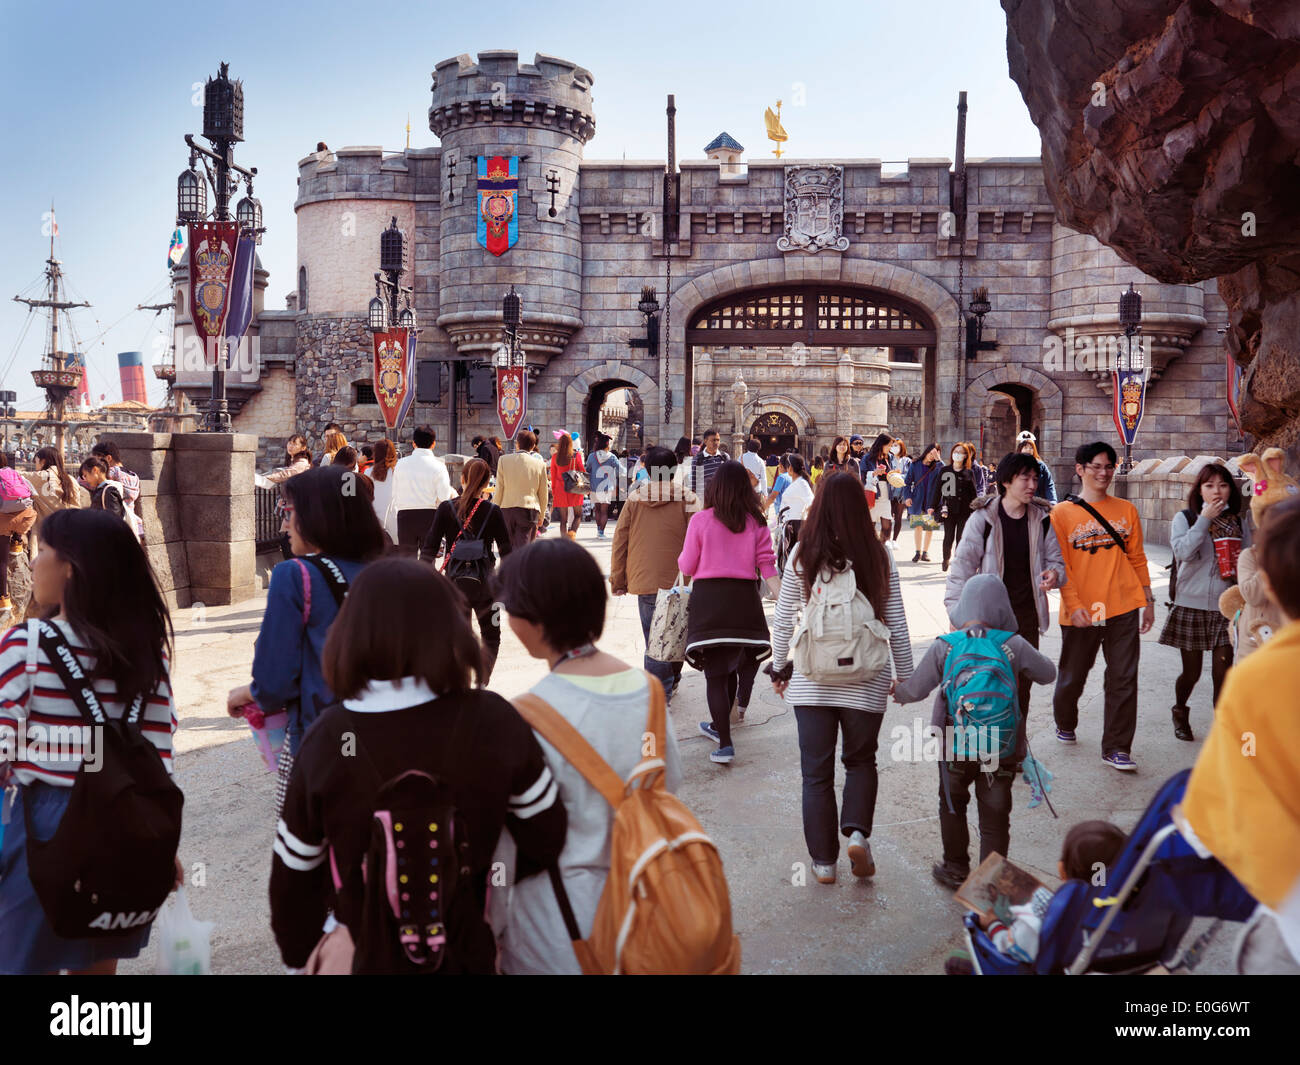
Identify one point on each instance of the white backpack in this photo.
(839, 639)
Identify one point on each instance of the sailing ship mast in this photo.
(57, 381)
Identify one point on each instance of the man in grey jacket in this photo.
(1009, 535)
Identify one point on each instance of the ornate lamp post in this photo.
(223, 128)
(1130, 386)
(391, 306)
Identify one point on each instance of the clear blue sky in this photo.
(97, 99)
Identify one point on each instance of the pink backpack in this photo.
(12, 485)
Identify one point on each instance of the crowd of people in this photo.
(404, 785)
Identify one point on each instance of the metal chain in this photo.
(961, 327)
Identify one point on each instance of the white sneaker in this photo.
(825, 874)
(860, 855)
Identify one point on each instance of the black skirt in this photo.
(726, 611)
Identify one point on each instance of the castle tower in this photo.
(540, 113)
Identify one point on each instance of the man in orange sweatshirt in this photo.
(1106, 588)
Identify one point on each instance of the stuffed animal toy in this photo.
(1252, 616)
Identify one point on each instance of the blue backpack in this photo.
(979, 685)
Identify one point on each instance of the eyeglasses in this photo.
(1100, 469)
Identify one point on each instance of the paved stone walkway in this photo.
(899, 922)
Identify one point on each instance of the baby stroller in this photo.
(787, 535)
(1139, 917)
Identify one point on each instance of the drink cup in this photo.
(1226, 550)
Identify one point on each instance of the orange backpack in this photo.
(665, 907)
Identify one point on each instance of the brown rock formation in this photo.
(1171, 132)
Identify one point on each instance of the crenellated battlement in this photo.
(498, 90)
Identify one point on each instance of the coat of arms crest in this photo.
(814, 209)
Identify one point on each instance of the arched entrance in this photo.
(775, 432)
(598, 389)
(831, 346)
(887, 287)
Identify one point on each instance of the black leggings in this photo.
(483, 607)
(953, 526)
(896, 508)
(1220, 660)
(729, 673)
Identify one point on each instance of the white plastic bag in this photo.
(183, 946)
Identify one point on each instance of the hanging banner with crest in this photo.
(1129, 402)
(498, 196)
(213, 248)
(512, 399)
(395, 375)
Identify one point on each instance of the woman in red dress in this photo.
(566, 459)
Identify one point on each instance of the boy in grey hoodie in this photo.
(984, 605)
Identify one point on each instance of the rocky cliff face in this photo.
(1171, 132)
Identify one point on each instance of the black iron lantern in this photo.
(1130, 311)
(979, 306)
(406, 319)
(648, 304)
(248, 212)
(191, 197)
(511, 310)
(392, 250)
(378, 316)
(223, 107)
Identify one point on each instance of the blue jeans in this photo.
(667, 672)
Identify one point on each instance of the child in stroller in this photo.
(1137, 916)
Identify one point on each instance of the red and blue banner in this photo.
(1129, 402)
(240, 314)
(498, 198)
(394, 375)
(1234, 390)
(512, 399)
(213, 249)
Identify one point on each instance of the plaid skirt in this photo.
(1194, 630)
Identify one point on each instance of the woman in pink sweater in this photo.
(728, 547)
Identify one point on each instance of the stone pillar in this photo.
(738, 392)
(703, 413)
(844, 394)
(150, 456)
(214, 483)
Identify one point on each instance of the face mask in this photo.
(957, 458)
(895, 450)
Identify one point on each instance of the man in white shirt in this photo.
(753, 462)
(420, 484)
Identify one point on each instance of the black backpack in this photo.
(469, 561)
(110, 864)
(1191, 516)
(415, 875)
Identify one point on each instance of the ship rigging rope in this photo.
(22, 335)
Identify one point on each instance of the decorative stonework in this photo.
(814, 209)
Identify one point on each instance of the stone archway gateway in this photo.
(806, 306)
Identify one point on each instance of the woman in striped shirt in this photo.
(837, 532)
(108, 607)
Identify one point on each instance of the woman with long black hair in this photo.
(727, 549)
(958, 489)
(333, 533)
(94, 576)
(875, 465)
(837, 535)
(469, 525)
(921, 496)
(795, 501)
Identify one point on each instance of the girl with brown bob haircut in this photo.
(408, 711)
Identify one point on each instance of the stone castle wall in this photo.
(580, 273)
